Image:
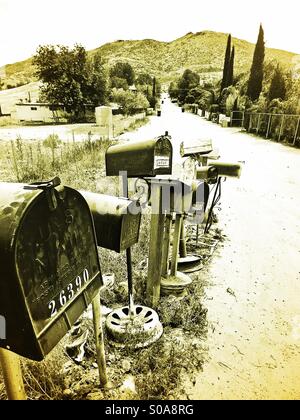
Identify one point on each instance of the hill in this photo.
(202, 52)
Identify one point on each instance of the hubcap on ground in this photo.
(135, 331)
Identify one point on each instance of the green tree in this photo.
(231, 68)
(130, 102)
(153, 99)
(257, 70)
(226, 68)
(188, 81)
(173, 90)
(278, 86)
(123, 71)
(118, 83)
(69, 78)
(96, 88)
(144, 79)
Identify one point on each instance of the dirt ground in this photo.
(254, 298)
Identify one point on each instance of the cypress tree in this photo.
(277, 88)
(257, 69)
(231, 68)
(224, 83)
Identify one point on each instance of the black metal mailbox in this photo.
(207, 173)
(141, 158)
(117, 221)
(231, 170)
(49, 266)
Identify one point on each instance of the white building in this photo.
(39, 112)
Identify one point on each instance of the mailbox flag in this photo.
(2, 328)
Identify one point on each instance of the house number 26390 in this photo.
(67, 294)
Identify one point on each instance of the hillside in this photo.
(202, 52)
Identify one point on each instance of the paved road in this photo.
(254, 339)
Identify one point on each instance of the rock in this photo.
(68, 393)
(128, 386)
(126, 366)
(95, 396)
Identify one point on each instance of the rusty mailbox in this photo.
(49, 266)
(141, 158)
(117, 221)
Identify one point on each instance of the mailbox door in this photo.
(57, 270)
(117, 221)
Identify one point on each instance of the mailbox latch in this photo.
(48, 187)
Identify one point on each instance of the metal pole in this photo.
(243, 119)
(176, 241)
(281, 127)
(182, 245)
(99, 339)
(12, 374)
(258, 123)
(156, 245)
(166, 247)
(297, 129)
(269, 126)
(128, 255)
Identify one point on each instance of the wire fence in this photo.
(279, 127)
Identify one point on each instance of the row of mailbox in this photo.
(49, 265)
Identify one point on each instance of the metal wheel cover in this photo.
(139, 332)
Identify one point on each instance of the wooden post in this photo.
(166, 246)
(281, 127)
(99, 338)
(297, 129)
(269, 126)
(12, 374)
(156, 245)
(176, 241)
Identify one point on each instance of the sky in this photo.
(26, 24)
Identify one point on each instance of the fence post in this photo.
(297, 129)
(269, 126)
(258, 123)
(250, 124)
(281, 127)
(243, 119)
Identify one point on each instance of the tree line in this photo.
(267, 87)
(75, 81)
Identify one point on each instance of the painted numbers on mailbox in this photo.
(68, 294)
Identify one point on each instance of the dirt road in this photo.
(254, 337)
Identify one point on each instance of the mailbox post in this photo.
(12, 374)
(146, 159)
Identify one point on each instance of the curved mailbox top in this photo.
(49, 265)
(140, 158)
